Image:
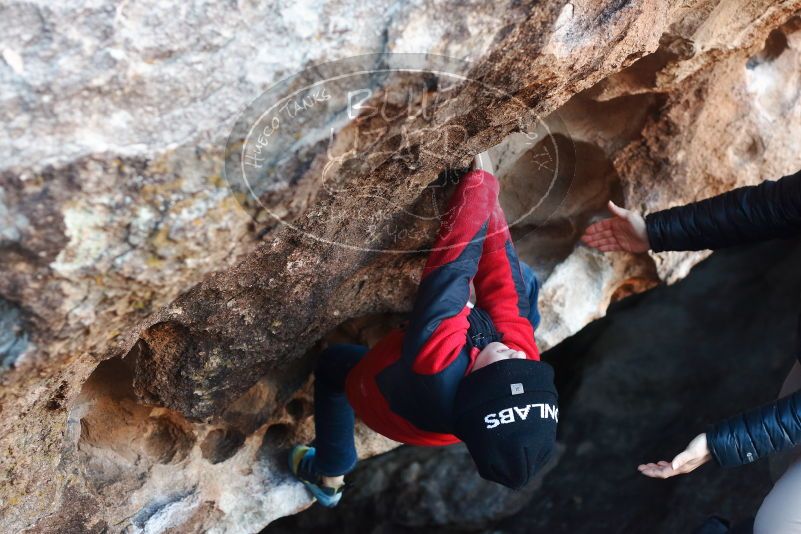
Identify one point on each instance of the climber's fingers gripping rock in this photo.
(483, 162)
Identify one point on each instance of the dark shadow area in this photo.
(13, 337)
(220, 444)
(775, 44)
(635, 386)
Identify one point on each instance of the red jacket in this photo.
(404, 387)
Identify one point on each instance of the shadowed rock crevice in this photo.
(119, 436)
(547, 234)
(776, 43)
(221, 444)
(125, 445)
(13, 337)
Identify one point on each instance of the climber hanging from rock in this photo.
(456, 372)
(745, 215)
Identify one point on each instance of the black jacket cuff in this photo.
(726, 448)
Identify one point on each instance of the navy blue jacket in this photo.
(747, 214)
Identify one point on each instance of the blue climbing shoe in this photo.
(300, 464)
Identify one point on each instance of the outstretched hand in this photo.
(624, 231)
(695, 455)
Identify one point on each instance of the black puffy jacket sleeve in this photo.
(757, 433)
(744, 215)
(771, 209)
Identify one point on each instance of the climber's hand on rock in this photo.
(624, 231)
(695, 455)
(482, 162)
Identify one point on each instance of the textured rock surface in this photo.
(157, 336)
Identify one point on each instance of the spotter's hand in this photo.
(695, 455)
(624, 231)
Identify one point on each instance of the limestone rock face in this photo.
(157, 329)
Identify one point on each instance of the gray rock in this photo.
(13, 338)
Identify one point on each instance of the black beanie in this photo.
(506, 414)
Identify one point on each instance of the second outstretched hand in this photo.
(625, 231)
(694, 456)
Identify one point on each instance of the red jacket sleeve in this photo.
(438, 325)
(500, 289)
